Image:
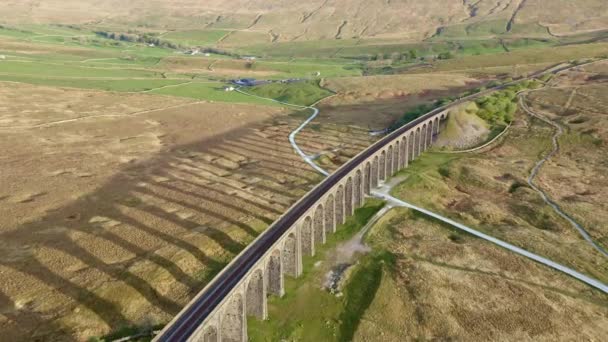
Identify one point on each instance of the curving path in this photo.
(194, 314)
(292, 136)
(555, 140)
(383, 193)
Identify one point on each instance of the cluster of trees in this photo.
(414, 114)
(500, 107)
(497, 109)
(134, 37)
(408, 56)
(394, 57)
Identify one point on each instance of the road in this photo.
(292, 136)
(383, 192)
(190, 318)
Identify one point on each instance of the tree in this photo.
(446, 55)
(413, 54)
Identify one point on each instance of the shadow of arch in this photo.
(166, 263)
(247, 229)
(137, 283)
(103, 308)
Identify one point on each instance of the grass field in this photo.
(299, 93)
(210, 91)
(73, 56)
(297, 315)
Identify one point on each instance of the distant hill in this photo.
(294, 20)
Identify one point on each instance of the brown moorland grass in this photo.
(119, 220)
(488, 190)
(447, 285)
(319, 19)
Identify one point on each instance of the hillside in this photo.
(289, 20)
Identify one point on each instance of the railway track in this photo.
(191, 317)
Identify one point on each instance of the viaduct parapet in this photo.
(220, 310)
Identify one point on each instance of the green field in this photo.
(210, 91)
(299, 93)
(309, 313)
(74, 56)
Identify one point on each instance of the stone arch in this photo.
(210, 334)
(348, 198)
(375, 172)
(389, 161)
(436, 126)
(339, 199)
(429, 135)
(330, 223)
(318, 225)
(233, 325)
(403, 153)
(308, 245)
(357, 196)
(274, 273)
(256, 295)
(367, 182)
(382, 167)
(396, 159)
(412, 145)
(290, 255)
(423, 134)
(418, 142)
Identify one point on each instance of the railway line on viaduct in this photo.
(219, 312)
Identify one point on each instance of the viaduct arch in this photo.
(319, 213)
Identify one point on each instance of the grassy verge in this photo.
(307, 312)
(361, 291)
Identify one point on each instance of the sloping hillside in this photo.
(288, 20)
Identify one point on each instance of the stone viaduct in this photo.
(247, 298)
